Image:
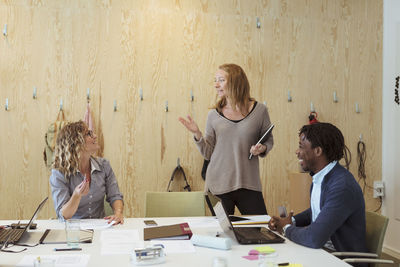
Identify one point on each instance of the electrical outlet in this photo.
(379, 189)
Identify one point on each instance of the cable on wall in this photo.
(361, 159)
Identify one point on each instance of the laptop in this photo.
(13, 235)
(245, 235)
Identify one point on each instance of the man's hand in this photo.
(277, 223)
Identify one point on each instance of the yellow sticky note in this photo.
(265, 249)
(295, 265)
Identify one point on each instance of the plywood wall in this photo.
(311, 48)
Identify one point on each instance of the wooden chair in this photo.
(174, 204)
(376, 225)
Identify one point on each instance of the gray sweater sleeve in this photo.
(207, 142)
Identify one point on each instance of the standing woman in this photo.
(233, 128)
(79, 181)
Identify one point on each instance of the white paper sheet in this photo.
(95, 224)
(65, 260)
(175, 246)
(202, 222)
(120, 241)
(119, 236)
(124, 248)
(256, 219)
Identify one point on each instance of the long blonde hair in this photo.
(238, 89)
(70, 142)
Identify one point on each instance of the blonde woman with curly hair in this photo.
(233, 127)
(79, 181)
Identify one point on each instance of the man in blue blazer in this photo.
(336, 217)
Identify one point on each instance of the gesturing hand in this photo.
(277, 223)
(82, 189)
(191, 125)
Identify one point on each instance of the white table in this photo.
(287, 252)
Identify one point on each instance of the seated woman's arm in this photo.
(69, 208)
(114, 196)
(118, 208)
(65, 204)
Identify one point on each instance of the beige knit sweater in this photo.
(227, 145)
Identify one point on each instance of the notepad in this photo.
(172, 232)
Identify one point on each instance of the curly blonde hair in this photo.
(69, 144)
(238, 89)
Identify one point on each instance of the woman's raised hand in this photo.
(82, 189)
(191, 125)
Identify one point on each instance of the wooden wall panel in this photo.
(168, 49)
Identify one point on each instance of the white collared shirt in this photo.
(318, 178)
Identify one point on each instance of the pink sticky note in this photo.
(251, 257)
(254, 252)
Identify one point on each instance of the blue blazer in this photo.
(342, 216)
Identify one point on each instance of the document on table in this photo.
(175, 246)
(120, 241)
(95, 224)
(256, 219)
(208, 222)
(62, 260)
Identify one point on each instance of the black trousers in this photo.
(248, 202)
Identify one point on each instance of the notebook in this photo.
(13, 235)
(59, 236)
(168, 232)
(245, 235)
(264, 137)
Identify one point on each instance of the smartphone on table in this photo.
(150, 222)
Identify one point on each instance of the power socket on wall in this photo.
(379, 189)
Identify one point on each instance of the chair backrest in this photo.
(376, 225)
(174, 204)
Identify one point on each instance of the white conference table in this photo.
(287, 252)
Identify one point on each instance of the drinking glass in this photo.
(268, 260)
(72, 230)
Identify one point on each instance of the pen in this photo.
(283, 264)
(66, 249)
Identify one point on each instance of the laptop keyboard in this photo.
(12, 235)
(259, 233)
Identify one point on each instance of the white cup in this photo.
(72, 230)
(268, 260)
(219, 262)
(44, 262)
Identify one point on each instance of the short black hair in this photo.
(329, 138)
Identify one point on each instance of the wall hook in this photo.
(178, 162)
(357, 108)
(115, 105)
(166, 106)
(191, 96)
(6, 106)
(265, 103)
(88, 95)
(312, 109)
(361, 137)
(289, 96)
(141, 94)
(5, 30)
(34, 95)
(61, 104)
(258, 23)
(335, 99)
